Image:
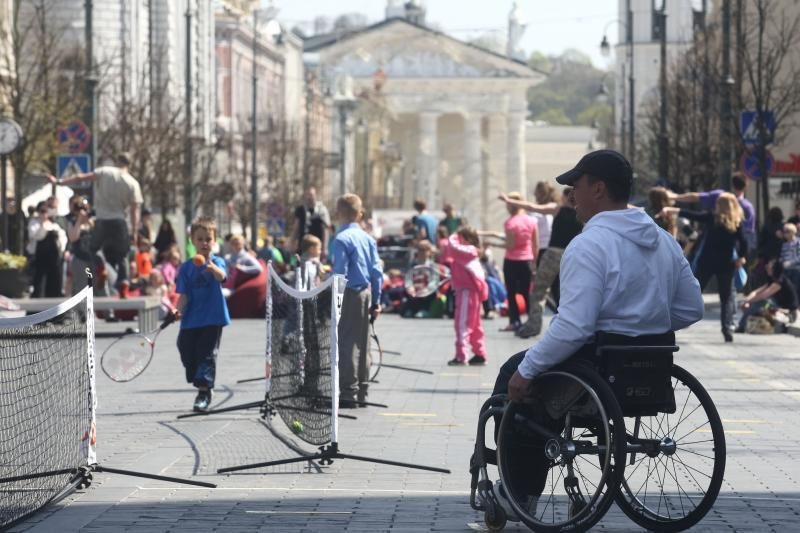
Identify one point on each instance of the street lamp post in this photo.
(346, 103)
(725, 100)
(254, 134)
(605, 49)
(188, 199)
(663, 145)
(269, 15)
(90, 87)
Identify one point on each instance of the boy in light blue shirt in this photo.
(203, 312)
(355, 256)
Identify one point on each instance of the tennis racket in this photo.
(130, 355)
(423, 280)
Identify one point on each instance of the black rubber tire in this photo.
(495, 518)
(617, 431)
(718, 435)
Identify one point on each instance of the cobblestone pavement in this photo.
(431, 420)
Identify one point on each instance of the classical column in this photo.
(515, 153)
(473, 190)
(428, 159)
(497, 182)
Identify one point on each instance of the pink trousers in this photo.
(469, 330)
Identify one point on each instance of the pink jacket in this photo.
(465, 267)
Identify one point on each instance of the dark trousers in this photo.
(527, 455)
(47, 279)
(354, 356)
(111, 236)
(518, 281)
(724, 275)
(199, 348)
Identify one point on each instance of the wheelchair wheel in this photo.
(672, 484)
(555, 445)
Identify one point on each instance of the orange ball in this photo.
(199, 260)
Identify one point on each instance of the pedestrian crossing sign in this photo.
(748, 125)
(68, 165)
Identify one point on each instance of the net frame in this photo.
(87, 452)
(335, 283)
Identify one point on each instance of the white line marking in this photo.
(297, 489)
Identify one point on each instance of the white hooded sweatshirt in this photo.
(623, 274)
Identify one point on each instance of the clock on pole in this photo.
(10, 140)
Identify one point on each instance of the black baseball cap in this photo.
(607, 165)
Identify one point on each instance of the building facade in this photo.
(642, 16)
(455, 113)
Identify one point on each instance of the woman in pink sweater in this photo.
(471, 289)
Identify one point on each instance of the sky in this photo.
(552, 26)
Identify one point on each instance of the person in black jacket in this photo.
(722, 236)
(778, 291)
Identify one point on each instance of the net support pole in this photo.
(105, 469)
(326, 456)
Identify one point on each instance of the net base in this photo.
(326, 456)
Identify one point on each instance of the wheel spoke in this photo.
(692, 431)
(688, 471)
(696, 453)
(675, 429)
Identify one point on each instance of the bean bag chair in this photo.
(249, 296)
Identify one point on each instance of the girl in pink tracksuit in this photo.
(471, 290)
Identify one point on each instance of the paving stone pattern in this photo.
(431, 420)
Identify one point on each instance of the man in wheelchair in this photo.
(624, 277)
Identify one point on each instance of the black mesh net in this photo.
(301, 387)
(44, 408)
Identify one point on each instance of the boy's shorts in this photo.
(199, 348)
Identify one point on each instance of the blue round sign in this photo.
(750, 167)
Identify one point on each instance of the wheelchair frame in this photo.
(658, 443)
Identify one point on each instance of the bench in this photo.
(146, 307)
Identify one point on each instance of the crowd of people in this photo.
(452, 270)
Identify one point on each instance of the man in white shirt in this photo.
(622, 275)
(117, 200)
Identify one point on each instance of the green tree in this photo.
(571, 88)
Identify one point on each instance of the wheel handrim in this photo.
(573, 460)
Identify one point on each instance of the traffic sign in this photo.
(749, 165)
(68, 165)
(74, 137)
(748, 125)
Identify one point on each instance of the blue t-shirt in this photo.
(427, 221)
(206, 305)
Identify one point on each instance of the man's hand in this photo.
(52, 179)
(503, 197)
(374, 312)
(518, 387)
(745, 306)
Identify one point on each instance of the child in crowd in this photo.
(169, 265)
(203, 312)
(311, 256)
(790, 250)
(240, 263)
(471, 289)
(156, 286)
(144, 258)
(355, 256)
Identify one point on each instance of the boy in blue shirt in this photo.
(355, 256)
(203, 311)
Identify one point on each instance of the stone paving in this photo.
(755, 384)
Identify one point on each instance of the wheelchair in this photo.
(621, 425)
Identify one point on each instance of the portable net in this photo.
(302, 358)
(47, 405)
